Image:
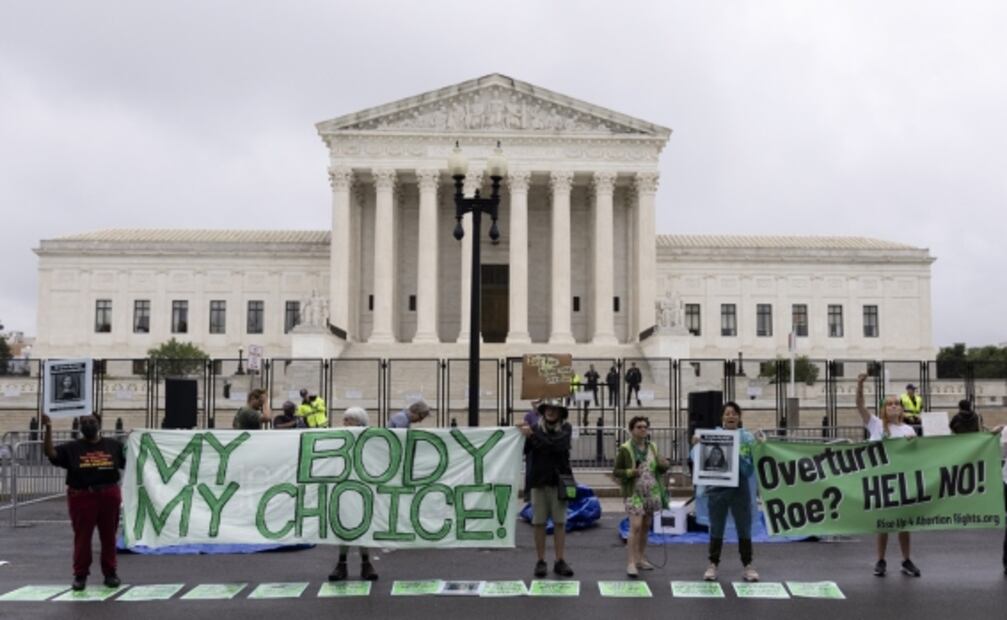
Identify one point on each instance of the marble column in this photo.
(604, 259)
(426, 263)
(384, 251)
(560, 332)
(340, 258)
(518, 181)
(473, 181)
(646, 251)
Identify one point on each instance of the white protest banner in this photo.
(66, 385)
(392, 488)
(716, 458)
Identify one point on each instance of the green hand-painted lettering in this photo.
(394, 455)
(309, 454)
(224, 452)
(149, 448)
(414, 512)
(392, 532)
(260, 513)
(478, 454)
(215, 504)
(413, 439)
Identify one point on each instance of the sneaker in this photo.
(908, 568)
(631, 571)
(112, 581)
(541, 568)
(645, 565)
(880, 568)
(749, 574)
(562, 569)
(339, 572)
(367, 572)
(711, 573)
(79, 582)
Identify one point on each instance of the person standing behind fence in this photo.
(633, 380)
(549, 445)
(288, 419)
(612, 383)
(912, 405)
(92, 466)
(354, 416)
(640, 472)
(892, 426)
(255, 413)
(416, 412)
(312, 410)
(591, 377)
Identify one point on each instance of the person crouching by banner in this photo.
(548, 443)
(92, 465)
(640, 471)
(354, 416)
(892, 426)
(739, 501)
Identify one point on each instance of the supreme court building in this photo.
(579, 266)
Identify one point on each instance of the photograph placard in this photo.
(716, 458)
(67, 388)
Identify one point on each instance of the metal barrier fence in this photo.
(817, 434)
(594, 448)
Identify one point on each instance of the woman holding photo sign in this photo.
(893, 426)
(640, 471)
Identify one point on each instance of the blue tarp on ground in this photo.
(581, 513)
(205, 549)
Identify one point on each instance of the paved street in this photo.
(962, 577)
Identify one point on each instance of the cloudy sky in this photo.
(853, 117)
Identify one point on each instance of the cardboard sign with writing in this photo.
(546, 375)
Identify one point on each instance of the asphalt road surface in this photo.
(962, 578)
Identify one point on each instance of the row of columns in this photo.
(644, 256)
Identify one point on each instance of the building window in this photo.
(576, 304)
(835, 321)
(693, 322)
(218, 316)
(140, 367)
(370, 303)
(103, 316)
(141, 316)
(728, 320)
(763, 320)
(870, 322)
(615, 304)
(800, 319)
(291, 316)
(412, 303)
(256, 310)
(179, 316)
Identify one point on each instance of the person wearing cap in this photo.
(288, 419)
(548, 445)
(912, 404)
(416, 412)
(354, 417)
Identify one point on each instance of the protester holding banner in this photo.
(92, 466)
(738, 500)
(893, 426)
(354, 416)
(965, 420)
(640, 471)
(548, 443)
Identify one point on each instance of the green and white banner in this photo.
(926, 483)
(362, 486)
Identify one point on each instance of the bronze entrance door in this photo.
(494, 307)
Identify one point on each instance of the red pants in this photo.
(88, 509)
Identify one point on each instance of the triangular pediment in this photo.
(494, 104)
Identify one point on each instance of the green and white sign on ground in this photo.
(279, 590)
(815, 589)
(416, 588)
(555, 588)
(372, 487)
(345, 588)
(33, 593)
(766, 589)
(896, 485)
(152, 592)
(504, 588)
(697, 589)
(214, 591)
(625, 589)
(90, 594)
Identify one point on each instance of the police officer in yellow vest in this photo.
(912, 404)
(312, 409)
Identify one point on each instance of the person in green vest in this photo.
(312, 409)
(912, 404)
(640, 471)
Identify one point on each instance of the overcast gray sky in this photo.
(852, 117)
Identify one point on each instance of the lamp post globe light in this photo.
(458, 166)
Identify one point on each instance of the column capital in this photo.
(561, 180)
(340, 177)
(428, 178)
(384, 178)
(603, 182)
(518, 180)
(646, 182)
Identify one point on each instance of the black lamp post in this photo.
(497, 168)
